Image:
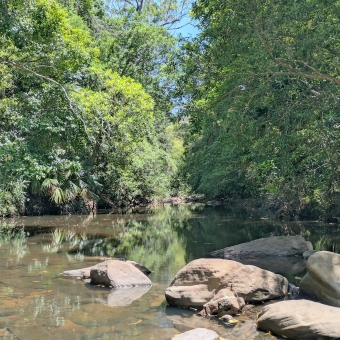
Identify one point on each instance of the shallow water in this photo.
(36, 302)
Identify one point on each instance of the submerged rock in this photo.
(118, 274)
(198, 334)
(200, 280)
(323, 278)
(301, 319)
(270, 246)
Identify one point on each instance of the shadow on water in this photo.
(35, 301)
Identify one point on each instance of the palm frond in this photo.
(58, 195)
(48, 183)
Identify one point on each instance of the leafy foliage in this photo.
(74, 126)
(264, 112)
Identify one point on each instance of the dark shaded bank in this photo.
(37, 205)
(282, 211)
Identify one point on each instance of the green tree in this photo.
(263, 79)
(71, 129)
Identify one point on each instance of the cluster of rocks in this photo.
(224, 287)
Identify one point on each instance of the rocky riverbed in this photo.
(226, 289)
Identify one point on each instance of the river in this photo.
(36, 302)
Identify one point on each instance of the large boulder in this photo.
(292, 265)
(323, 278)
(198, 334)
(301, 319)
(118, 274)
(270, 246)
(200, 280)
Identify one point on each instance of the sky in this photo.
(188, 30)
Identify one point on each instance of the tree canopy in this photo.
(263, 80)
(80, 113)
(90, 92)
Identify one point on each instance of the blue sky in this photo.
(188, 31)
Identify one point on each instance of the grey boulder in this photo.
(118, 274)
(322, 280)
(84, 273)
(301, 319)
(200, 280)
(198, 334)
(269, 246)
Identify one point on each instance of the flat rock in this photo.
(301, 319)
(269, 246)
(198, 334)
(323, 278)
(118, 274)
(200, 280)
(189, 296)
(84, 273)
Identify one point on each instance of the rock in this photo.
(200, 280)
(307, 254)
(292, 289)
(185, 320)
(198, 334)
(270, 246)
(188, 296)
(223, 301)
(84, 273)
(323, 278)
(142, 268)
(301, 319)
(226, 318)
(293, 265)
(118, 274)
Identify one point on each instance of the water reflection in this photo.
(36, 302)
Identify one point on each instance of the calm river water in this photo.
(37, 303)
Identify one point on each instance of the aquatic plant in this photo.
(58, 236)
